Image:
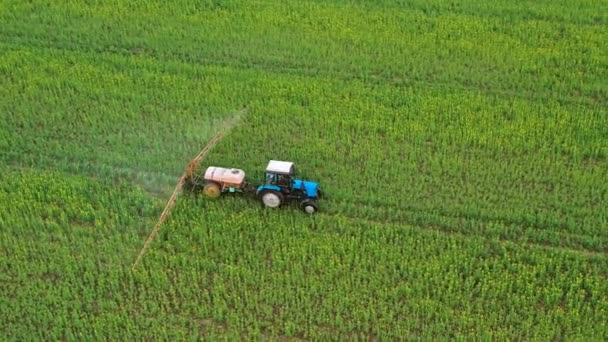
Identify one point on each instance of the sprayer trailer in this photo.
(220, 179)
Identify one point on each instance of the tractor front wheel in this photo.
(309, 206)
(212, 190)
(271, 199)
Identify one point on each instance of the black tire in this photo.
(271, 199)
(309, 206)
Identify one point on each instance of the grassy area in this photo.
(463, 148)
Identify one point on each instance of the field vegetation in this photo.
(463, 148)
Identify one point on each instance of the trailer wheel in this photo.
(271, 198)
(212, 190)
(309, 206)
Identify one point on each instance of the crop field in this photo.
(462, 147)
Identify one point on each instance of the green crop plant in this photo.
(462, 147)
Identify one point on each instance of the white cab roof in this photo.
(283, 167)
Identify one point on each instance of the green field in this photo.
(462, 145)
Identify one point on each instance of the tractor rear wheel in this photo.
(271, 198)
(212, 190)
(309, 206)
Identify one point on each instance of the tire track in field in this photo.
(452, 229)
(424, 222)
(504, 241)
(464, 235)
(303, 70)
(474, 217)
(159, 184)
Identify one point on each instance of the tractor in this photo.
(279, 187)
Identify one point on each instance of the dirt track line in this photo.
(478, 219)
(447, 231)
(300, 69)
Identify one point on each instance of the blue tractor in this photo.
(281, 186)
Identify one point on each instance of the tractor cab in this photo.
(280, 173)
(280, 185)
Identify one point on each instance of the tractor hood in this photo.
(310, 187)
